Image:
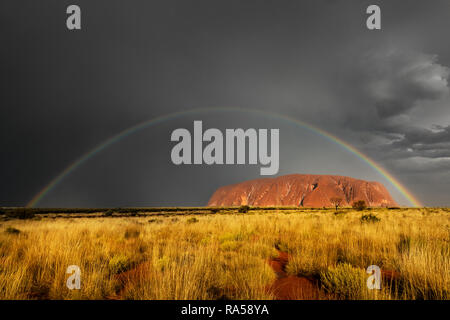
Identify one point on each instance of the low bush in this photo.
(229, 245)
(345, 281)
(404, 244)
(108, 213)
(192, 220)
(131, 233)
(359, 205)
(118, 264)
(243, 209)
(20, 213)
(12, 230)
(370, 218)
(162, 263)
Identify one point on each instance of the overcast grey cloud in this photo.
(392, 85)
(399, 81)
(63, 93)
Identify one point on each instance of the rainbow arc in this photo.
(127, 132)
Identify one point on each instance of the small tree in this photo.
(20, 213)
(243, 209)
(359, 205)
(336, 202)
(108, 213)
(370, 218)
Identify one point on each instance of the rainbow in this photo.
(127, 132)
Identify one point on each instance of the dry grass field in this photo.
(261, 254)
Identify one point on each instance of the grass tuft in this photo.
(11, 230)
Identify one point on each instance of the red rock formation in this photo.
(305, 190)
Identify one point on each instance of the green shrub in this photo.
(131, 233)
(20, 213)
(192, 220)
(12, 230)
(370, 218)
(359, 205)
(205, 241)
(243, 209)
(281, 245)
(229, 245)
(404, 244)
(345, 281)
(118, 264)
(108, 213)
(236, 236)
(162, 263)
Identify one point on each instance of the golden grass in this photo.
(225, 255)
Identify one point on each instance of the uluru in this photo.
(303, 190)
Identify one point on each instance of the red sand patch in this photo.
(390, 275)
(131, 276)
(287, 287)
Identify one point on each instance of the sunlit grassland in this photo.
(217, 255)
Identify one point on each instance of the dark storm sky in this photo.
(64, 92)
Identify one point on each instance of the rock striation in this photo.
(304, 190)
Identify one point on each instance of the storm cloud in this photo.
(399, 81)
(63, 93)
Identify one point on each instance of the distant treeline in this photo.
(97, 210)
(3, 210)
(28, 213)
